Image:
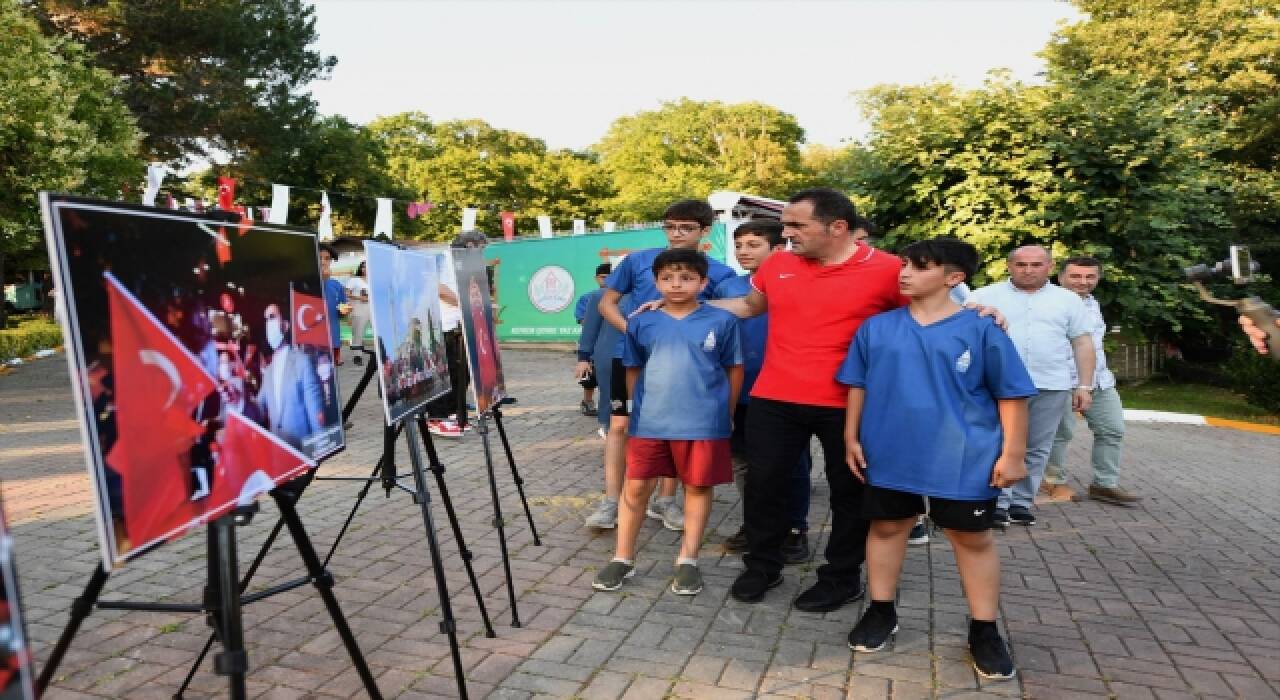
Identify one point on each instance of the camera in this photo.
(1240, 266)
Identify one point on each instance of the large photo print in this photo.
(476, 303)
(404, 299)
(16, 677)
(199, 353)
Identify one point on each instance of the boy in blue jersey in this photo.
(684, 370)
(936, 424)
(586, 376)
(753, 242)
(684, 223)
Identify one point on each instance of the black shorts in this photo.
(948, 514)
(619, 401)
(589, 382)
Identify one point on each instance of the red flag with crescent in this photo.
(252, 461)
(310, 327)
(159, 385)
(226, 193)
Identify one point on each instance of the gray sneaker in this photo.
(667, 510)
(687, 581)
(612, 575)
(605, 516)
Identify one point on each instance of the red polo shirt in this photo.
(814, 312)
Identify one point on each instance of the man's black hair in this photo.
(828, 205)
(468, 237)
(1083, 261)
(691, 210)
(865, 224)
(333, 252)
(681, 257)
(953, 254)
(768, 229)
(604, 269)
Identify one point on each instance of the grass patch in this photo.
(1201, 399)
(25, 335)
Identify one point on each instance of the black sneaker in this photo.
(990, 655)
(825, 596)
(1021, 515)
(919, 534)
(737, 542)
(751, 585)
(873, 631)
(795, 547)
(1000, 518)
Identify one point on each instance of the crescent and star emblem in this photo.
(156, 359)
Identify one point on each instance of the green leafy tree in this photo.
(61, 128)
(1105, 167)
(212, 75)
(689, 148)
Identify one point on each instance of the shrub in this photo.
(28, 337)
(1256, 376)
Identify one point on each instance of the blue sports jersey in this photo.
(930, 424)
(334, 294)
(752, 331)
(682, 392)
(634, 276)
(580, 308)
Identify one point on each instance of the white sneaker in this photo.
(667, 510)
(605, 517)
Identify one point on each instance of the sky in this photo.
(563, 71)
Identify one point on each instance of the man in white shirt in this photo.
(1105, 415)
(1049, 326)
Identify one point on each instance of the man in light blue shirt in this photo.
(1105, 415)
(1049, 326)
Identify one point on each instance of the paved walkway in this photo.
(1178, 597)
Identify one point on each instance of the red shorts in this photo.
(695, 462)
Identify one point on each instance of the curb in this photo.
(1136, 415)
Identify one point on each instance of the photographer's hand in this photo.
(1257, 336)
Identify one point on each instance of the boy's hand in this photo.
(648, 306)
(1008, 471)
(581, 370)
(991, 311)
(854, 458)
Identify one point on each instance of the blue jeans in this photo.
(1044, 415)
(1106, 421)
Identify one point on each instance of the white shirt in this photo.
(1102, 376)
(450, 315)
(1042, 325)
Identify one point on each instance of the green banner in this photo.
(538, 281)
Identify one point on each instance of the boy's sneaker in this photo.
(605, 517)
(795, 547)
(873, 631)
(1021, 515)
(1000, 518)
(444, 428)
(612, 575)
(588, 409)
(990, 655)
(668, 511)
(919, 533)
(737, 542)
(687, 580)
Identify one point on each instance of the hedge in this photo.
(29, 337)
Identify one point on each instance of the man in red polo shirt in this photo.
(817, 296)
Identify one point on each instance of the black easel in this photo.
(222, 601)
(385, 473)
(496, 410)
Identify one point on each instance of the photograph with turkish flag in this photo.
(16, 677)
(478, 327)
(404, 299)
(200, 361)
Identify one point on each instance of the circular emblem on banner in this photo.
(551, 289)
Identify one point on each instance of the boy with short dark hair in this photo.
(684, 370)
(584, 372)
(936, 424)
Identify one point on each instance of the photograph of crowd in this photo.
(478, 327)
(201, 353)
(15, 657)
(405, 306)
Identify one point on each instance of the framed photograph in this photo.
(404, 303)
(200, 361)
(476, 303)
(17, 679)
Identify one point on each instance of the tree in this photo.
(689, 149)
(61, 128)
(213, 75)
(1105, 167)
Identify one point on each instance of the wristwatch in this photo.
(1086, 388)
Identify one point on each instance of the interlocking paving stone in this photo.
(1176, 597)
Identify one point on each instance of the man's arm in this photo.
(447, 295)
(1011, 467)
(1082, 348)
(753, 304)
(852, 420)
(609, 310)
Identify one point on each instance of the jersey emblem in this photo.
(709, 343)
(962, 362)
(978, 512)
(785, 275)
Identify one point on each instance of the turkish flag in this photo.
(252, 461)
(226, 193)
(222, 246)
(508, 225)
(309, 320)
(158, 386)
